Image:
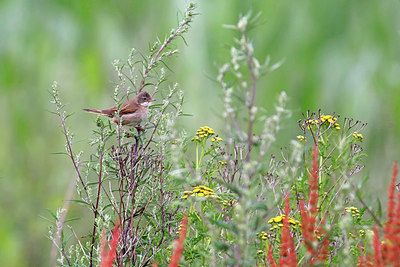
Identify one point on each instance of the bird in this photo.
(130, 113)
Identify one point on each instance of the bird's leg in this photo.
(140, 130)
(136, 144)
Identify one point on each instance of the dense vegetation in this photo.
(239, 205)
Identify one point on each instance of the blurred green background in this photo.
(341, 56)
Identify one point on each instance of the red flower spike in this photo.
(361, 262)
(396, 223)
(387, 254)
(103, 244)
(180, 242)
(307, 228)
(361, 259)
(318, 253)
(377, 248)
(271, 260)
(108, 258)
(391, 247)
(288, 253)
(365, 261)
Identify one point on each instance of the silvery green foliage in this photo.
(246, 151)
(126, 180)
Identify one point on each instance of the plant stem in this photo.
(197, 156)
(202, 153)
(96, 212)
(252, 100)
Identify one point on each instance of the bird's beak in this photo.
(152, 100)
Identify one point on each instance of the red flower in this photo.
(271, 260)
(288, 253)
(377, 248)
(311, 233)
(388, 253)
(107, 258)
(391, 247)
(180, 242)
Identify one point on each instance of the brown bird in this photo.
(131, 113)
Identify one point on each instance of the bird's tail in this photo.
(96, 111)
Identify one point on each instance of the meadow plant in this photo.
(228, 199)
(128, 179)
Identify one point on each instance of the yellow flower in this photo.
(277, 222)
(362, 232)
(301, 138)
(279, 218)
(352, 235)
(203, 133)
(354, 211)
(201, 191)
(358, 136)
(206, 188)
(273, 227)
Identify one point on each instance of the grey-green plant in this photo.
(127, 180)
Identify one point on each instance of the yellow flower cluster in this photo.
(358, 136)
(260, 252)
(354, 212)
(351, 235)
(229, 203)
(263, 235)
(328, 118)
(217, 138)
(301, 138)
(324, 118)
(203, 133)
(200, 191)
(277, 222)
(179, 229)
(361, 233)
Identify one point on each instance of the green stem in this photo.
(202, 153)
(320, 161)
(197, 156)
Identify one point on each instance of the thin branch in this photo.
(95, 210)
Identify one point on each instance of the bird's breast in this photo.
(134, 118)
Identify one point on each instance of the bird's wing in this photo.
(126, 108)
